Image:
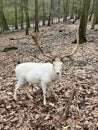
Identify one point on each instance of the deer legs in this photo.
(44, 92)
(19, 84)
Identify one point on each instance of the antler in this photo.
(36, 38)
(75, 49)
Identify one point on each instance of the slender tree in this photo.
(65, 3)
(44, 14)
(0, 25)
(16, 20)
(36, 17)
(59, 11)
(83, 21)
(26, 16)
(92, 10)
(4, 25)
(72, 11)
(79, 9)
(95, 14)
(21, 14)
(51, 13)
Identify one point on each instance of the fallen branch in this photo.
(9, 48)
(65, 115)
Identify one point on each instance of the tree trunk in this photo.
(44, 15)
(4, 25)
(96, 22)
(16, 20)
(26, 16)
(50, 15)
(83, 21)
(72, 11)
(79, 10)
(95, 14)
(97, 18)
(0, 25)
(59, 2)
(65, 10)
(36, 17)
(92, 11)
(21, 14)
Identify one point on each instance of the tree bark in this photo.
(21, 14)
(97, 18)
(79, 10)
(92, 10)
(50, 15)
(44, 15)
(26, 16)
(95, 14)
(65, 10)
(83, 21)
(16, 20)
(72, 11)
(36, 17)
(4, 25)
(59, 2)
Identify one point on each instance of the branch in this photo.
(65, 115)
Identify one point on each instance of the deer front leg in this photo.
(44, 92)
(28, 91)
(48, 91)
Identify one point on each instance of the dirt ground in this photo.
(79, 72)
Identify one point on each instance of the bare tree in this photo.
(44, 15)
(95, 14)
(4, 25)
(65, 10)
(83, 21)
(59, 4)
(79, 10)
(26, 16)
(16, 20)
(92, 10)
(36, 17)
(51, 12)
(72, 11)
(21, 14)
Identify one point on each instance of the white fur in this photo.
(43, 73)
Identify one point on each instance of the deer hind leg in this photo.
(44, 92)
(48, 91)
(19, 84)
(28, 91)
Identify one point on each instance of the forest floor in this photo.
(79, 72)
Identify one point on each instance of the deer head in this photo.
(56, 60)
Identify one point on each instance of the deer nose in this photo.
(57, 73)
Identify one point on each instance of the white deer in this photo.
(42, 73)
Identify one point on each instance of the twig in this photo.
(65, 115)
(7, 119)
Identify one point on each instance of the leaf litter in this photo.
(79, 72)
